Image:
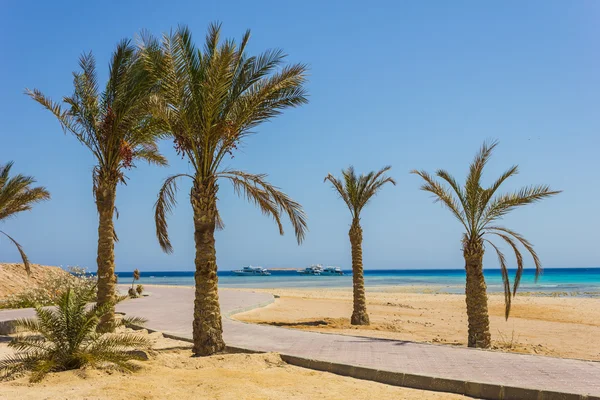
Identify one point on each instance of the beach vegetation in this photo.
(48, 290)
(211, 99)
(18, 195)
(65, 337)
(479, 210)
(136, 276)
(115, 126)
(357, 191)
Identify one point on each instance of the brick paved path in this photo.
(170, 310)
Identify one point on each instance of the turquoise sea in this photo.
(571, 281)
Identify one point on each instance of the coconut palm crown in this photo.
(479, 209)
(357, 191)
(211, 99)
(115, 125)
(17, 195)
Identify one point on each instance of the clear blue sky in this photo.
(411, 84)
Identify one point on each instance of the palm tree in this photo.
(115, 126)
(211, 99)
(357, 191)
(479, 210)
(17, 195)
(66, 338)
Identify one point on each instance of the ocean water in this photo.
(572, 281)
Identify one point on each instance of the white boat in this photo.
(332, 271)
(312, 270)
(251, 271)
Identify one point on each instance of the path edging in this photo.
(423, 382)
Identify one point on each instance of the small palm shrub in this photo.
(65, 337)
(136, 277)
(49, 290)
(139, 289)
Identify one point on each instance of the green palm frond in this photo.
(358, 190)
(16, 196)
(444, 196)
(211, 98)
(270, 199)
(477, 208)
(115, 124)
(505, 203)
(163, 207)
(66, 338)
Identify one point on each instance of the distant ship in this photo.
(332, 271)
(252, 271)
(312, 270)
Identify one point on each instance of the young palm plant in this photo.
(65, 338)
(211, 99)
(116, 127)
(17, 195)
(479, 210)
(357, 191)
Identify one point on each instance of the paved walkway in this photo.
(170, 310)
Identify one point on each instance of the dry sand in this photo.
(14, 279)
(173, 374)
(556, 326)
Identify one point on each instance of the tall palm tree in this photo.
(116, 127)
(211, 99)
(17, 195)
(479, 209)
(357, 191)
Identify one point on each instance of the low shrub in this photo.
(65, 338)
(49, 290)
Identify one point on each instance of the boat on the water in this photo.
(251, 271)
(312, 270)
(332, 271)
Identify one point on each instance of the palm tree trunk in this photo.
(359, 314)
(105, 203)
(476, 296)
(207, 327)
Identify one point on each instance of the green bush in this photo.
(65, 337)
(49, 290)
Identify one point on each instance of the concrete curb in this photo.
(472, 389)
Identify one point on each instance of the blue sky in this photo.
(409, 84)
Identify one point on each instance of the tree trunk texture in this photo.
(359, 314)
(207, 325)
(105, 203)
(476, 296)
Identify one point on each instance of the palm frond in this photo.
(269, 199)
(163, 207)
(66, 337)
(21, 252)
(473, 184)
(525, 243)
(519, 258)
(338, 186)
(505, 279)
(357, 191)
(503, 204)
(443, 196)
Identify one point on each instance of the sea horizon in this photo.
(553, 281)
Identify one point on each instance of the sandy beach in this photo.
(173, 374)
(555, 326)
